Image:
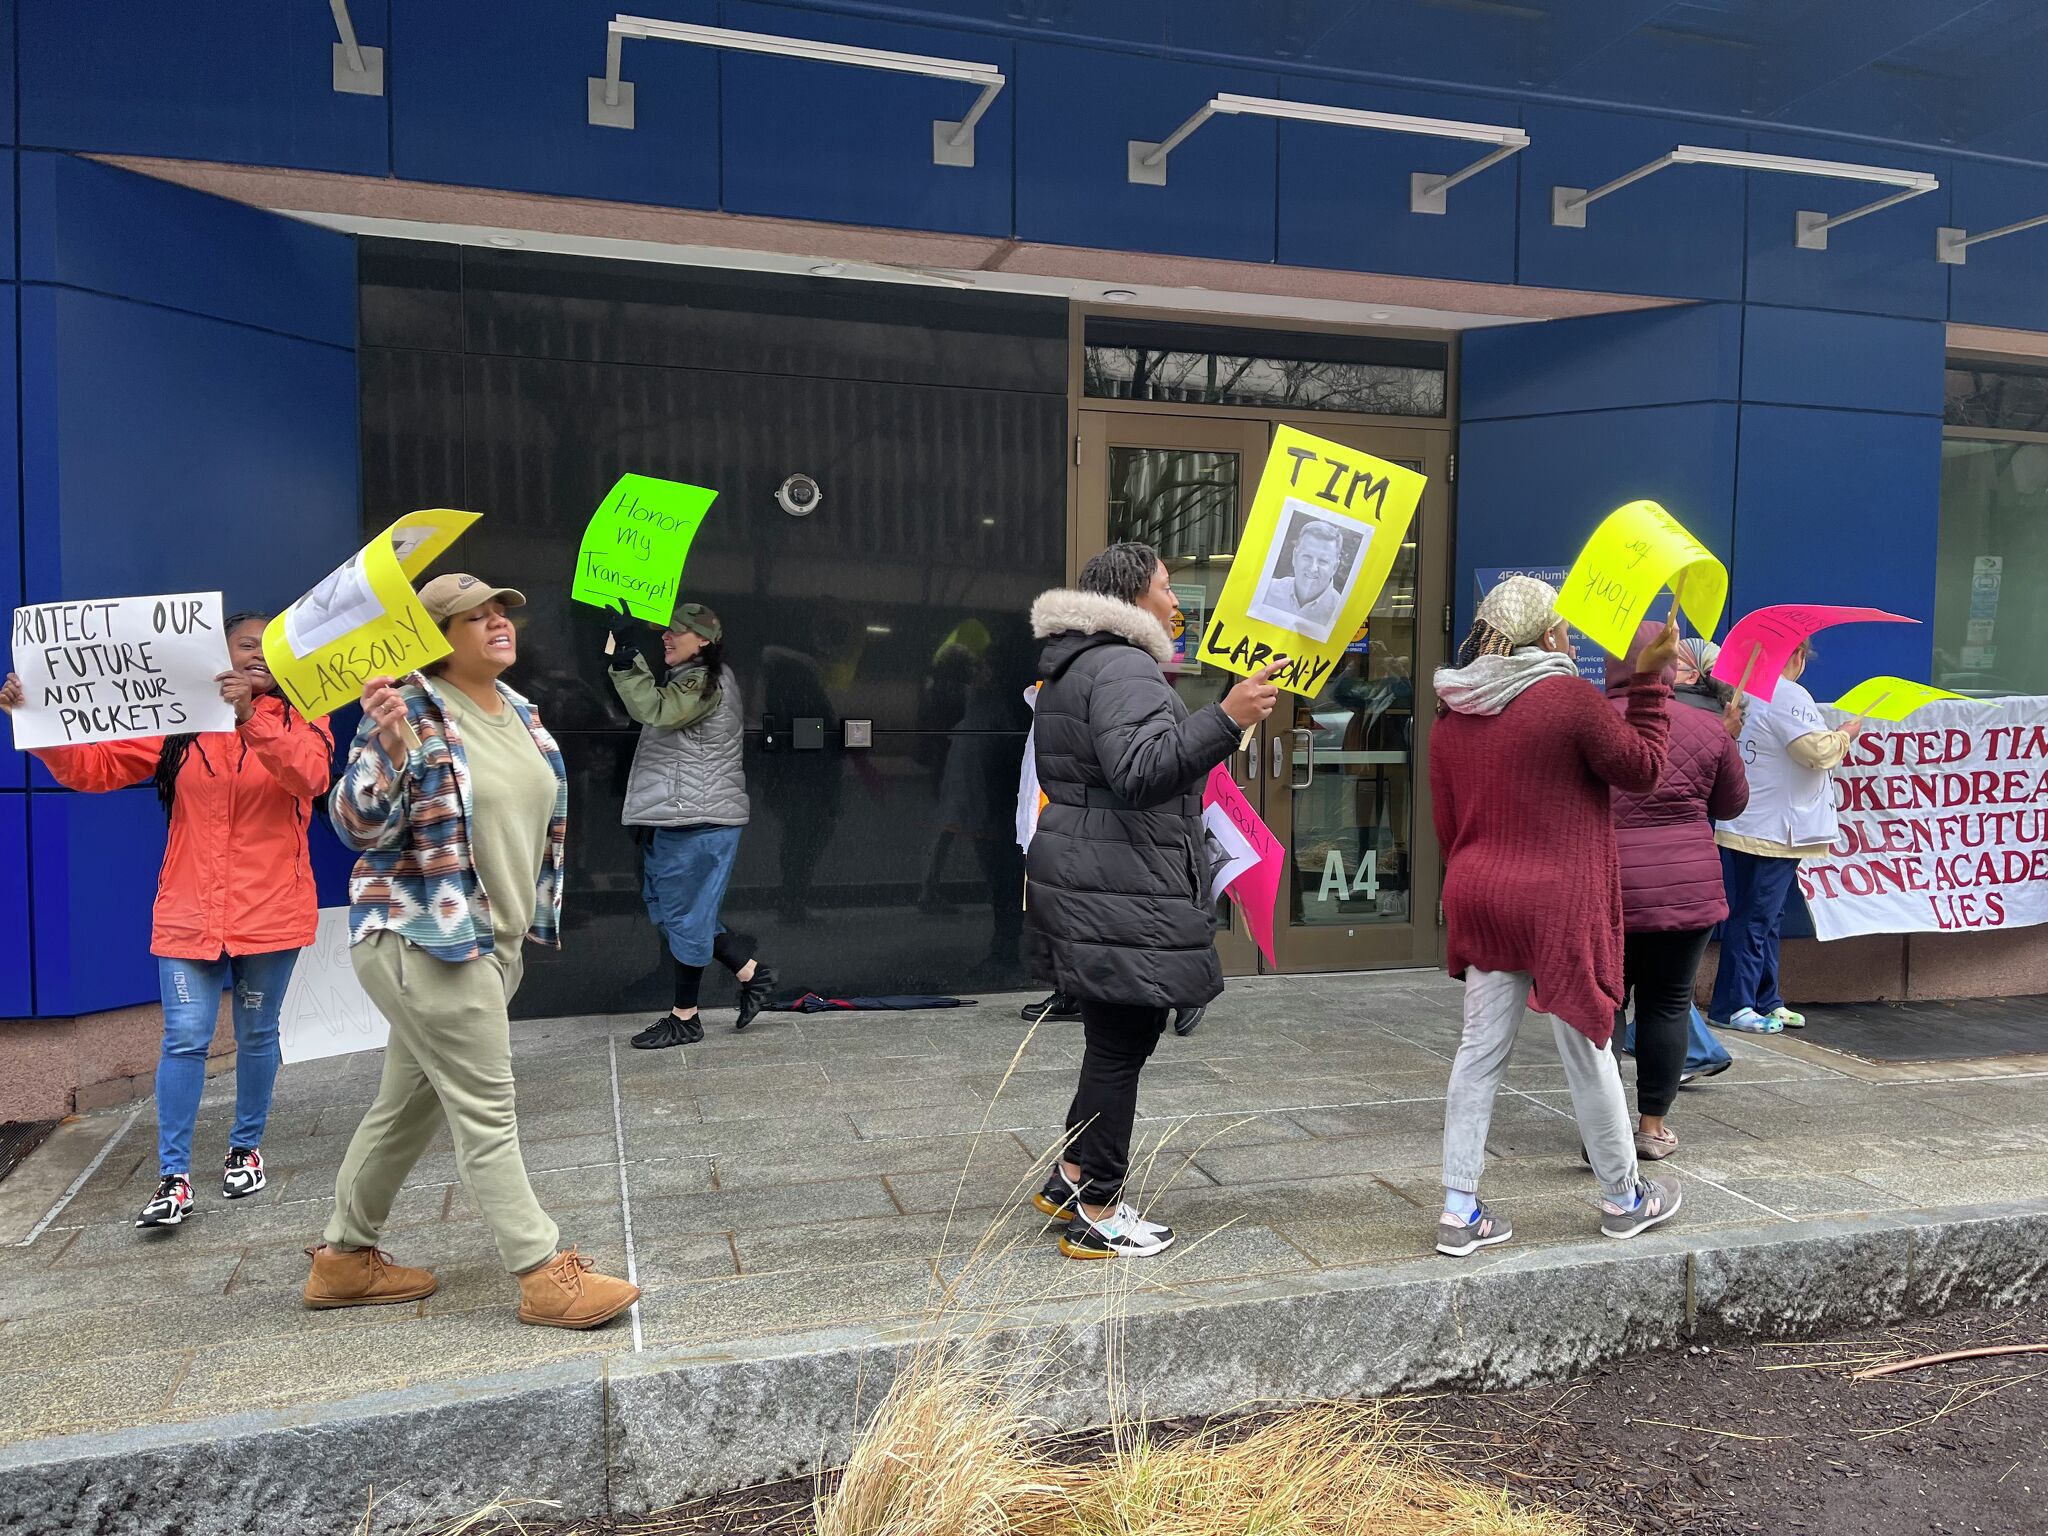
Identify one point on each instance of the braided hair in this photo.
(1483, 640)
(170, 761)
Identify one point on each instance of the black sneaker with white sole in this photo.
(1656, 1202)
(1481, 1230)
(1122, 1234)
(242, 1175)
(170, 1204)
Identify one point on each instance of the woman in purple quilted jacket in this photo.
(1671, 891)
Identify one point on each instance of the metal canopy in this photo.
(611, 97)
(1145, 160)
(1810, 231)
(1944, 74)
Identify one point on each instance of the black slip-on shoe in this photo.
(754, 995)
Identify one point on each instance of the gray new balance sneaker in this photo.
(1458, 1239)
(1656, 1202)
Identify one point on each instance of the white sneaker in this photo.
(242, 1174)
(1123, 1234)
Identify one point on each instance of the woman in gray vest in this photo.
(688, 789)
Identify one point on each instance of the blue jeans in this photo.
(1702, 1050)
(191, 992)
(1757, 891)
(683, 881)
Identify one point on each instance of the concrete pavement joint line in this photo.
(625, 1194)
(592, 1434)
(78, 1183)
(1568, 1115)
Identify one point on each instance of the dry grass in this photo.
(948, 1456)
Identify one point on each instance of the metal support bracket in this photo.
(358, 71)
(1952, 246)
(1145, 159)
(1810, 230)
(610, 97)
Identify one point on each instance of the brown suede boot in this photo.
(363, 1277)
(566, 1292)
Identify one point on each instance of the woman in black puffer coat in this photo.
(1119, 907)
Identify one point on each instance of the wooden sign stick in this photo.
(1678, 596)
(1755, 655)
(1870, 709)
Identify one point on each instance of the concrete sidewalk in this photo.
(822, 1173)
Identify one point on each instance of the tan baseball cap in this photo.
(458, 592)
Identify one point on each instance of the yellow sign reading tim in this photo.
(1325, 529)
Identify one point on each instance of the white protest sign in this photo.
(1944, 823)
(326, 1011)
(1231, 853)
(120, 667)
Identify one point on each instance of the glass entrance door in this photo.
(1341, 778)
(1182, 485)
(1346, 784)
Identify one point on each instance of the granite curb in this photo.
(637, 1432)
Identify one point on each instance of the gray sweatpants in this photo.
(1494, 1003)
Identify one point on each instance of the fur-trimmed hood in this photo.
(1064, 611)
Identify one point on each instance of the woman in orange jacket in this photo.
(234, 903)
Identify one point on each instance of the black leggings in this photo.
(1660, 968)
(728, 949)
(1119, 1041)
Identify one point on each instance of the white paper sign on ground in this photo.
(326, 1011)
(116, 668)
(1944, 823)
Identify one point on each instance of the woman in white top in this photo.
(1789, 753)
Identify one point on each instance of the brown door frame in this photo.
(1266, 773)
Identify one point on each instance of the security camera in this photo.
(799, 495)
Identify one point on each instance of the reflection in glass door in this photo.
(1343, 788)
(1340, 778)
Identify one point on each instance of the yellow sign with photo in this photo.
(1326, 526)
(363, 620)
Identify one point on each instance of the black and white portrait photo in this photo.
(1310, 571)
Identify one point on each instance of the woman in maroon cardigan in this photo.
(1671, 891)
(1520, 764)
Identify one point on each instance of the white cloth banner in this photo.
(119, 667)
(326, 1011)
(1944, 823)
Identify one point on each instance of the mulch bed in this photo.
(1781, 1438)
(1703, 1442)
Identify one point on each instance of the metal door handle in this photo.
(1279, 757)
(1244, 773)
(1308, 776)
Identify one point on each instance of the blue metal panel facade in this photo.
(1819, 484)
(235, 80)
(187, 386)
(184, 363)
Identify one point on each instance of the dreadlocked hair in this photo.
(170, 762)
(1484, 640)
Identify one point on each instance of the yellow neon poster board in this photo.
(363, 620)
(1889, 698)
(1326, 526)
(1635, 553)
